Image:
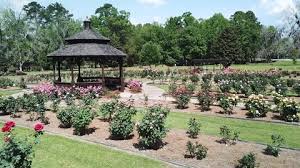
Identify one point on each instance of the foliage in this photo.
(17, 152)
(122, 125)
(152, 127)
(224, 86)
(195, 150)
(6, 82)
(257, 106)
(290, 82)
(228, 136)
(205, 100)
(296, 88)
(65, 116)
(228, 102)
(81, 120)
(274, 148)
(247, 161)
(194, 78)
(227, 46)
(182, 96)
(289, 110)
(281, 87)
(193, 128)
(88, 100)
(107, 110)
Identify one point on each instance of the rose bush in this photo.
(135, 86)
(257, 106)
(16, 152)
(152, 127)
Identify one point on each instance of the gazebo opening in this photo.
(88, 46)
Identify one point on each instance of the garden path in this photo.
(153, 93)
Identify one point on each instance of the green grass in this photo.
(284, 65)
(56, 151)
(250, 130)
(9, 92)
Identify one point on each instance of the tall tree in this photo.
(151, 54)
(249, 31)
(227, 46)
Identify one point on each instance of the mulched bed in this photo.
(219, 155)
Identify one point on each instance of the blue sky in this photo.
(269, 12)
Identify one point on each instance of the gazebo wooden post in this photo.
(78, 64)
(72, 72)
(121, 75)
(54, 75)
(103, 77)
(59, 76)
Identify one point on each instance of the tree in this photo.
(249, 31)
(270, 43)
(114, 24)
(211, 29)
(227, 46)
(151, 54)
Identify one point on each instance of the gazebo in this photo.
(88, 45)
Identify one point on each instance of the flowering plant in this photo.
(17, 152)
(182, 95)
(60, 91)
(289, 110)
(152, 127)
(228, 102)
(135, 86)
(257, 106)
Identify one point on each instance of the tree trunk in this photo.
(21, 66)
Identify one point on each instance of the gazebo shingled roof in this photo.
(88, 44)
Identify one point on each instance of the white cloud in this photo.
(275, 7)
(15, 4)
(153, 2)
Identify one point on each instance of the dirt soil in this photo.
(219, 155)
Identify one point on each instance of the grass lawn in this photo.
(250, 130)
(284, 65)
(56, 151)
(9, 92)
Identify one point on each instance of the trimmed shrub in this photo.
(257, 106)
(289, 110)
(152, 127)
(82, 120)
(65, 116)
(193, 128)
(205, 100)
(122, 125)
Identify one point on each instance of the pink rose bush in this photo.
(135, 86)
(60, 91)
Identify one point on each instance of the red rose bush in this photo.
(17, 152)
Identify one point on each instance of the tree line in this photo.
(27, 37)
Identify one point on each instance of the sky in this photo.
(269, 12)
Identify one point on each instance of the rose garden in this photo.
(90, 107)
